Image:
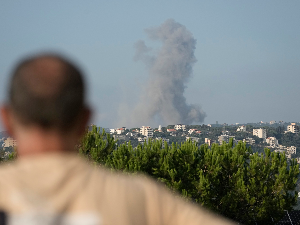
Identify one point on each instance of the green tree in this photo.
(96, 145)
(230, 180)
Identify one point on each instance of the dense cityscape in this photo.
(277, 136)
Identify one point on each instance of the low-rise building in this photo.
(171, 130)
(241, 128)
(120, 130)
(112, 131)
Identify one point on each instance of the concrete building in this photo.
(272, 141)
(192, 139)
(121, 137)
(293, 128)
(208, 141)
(291, 150)
(163, 140)
(241, 129)
(249, 141)
(9, 142)
(180, 127)
(146, 131)
(159, 128)
(261, 133)
(120, 130)
(192, 131)
(222, 138)
(112, 131)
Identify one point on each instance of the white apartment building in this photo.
(294, 128)
(261, 133)
(180, 127)
(272, 141)
(9, 142)
(241, 128)
(146, 131)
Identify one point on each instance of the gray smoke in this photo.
(169, 70)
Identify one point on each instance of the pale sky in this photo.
(248, 52)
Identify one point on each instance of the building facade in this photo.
(180, 127)
(293, 128)
(9, 142)
(261, 133)
(146, 131)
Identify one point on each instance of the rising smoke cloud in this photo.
(170, 68)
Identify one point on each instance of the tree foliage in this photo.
(230, 180)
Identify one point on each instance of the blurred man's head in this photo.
(46, 92)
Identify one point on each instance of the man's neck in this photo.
(34, 141)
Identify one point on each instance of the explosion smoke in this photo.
(169, 71)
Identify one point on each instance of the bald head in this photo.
(48, 91)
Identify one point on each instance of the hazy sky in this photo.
(248, 52)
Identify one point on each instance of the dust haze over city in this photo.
(160, 63)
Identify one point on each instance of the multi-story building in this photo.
(294, 128)
(249, 141)
(146, 131)
(222, 138)
(261, 133)
(163, 140)
(9, 142)
(180, 127)
(291, 150)
(272, 141)
(208, 141)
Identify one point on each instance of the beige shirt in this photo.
(65, 189)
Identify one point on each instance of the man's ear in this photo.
(7, 120)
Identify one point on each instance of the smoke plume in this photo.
(170, 68)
